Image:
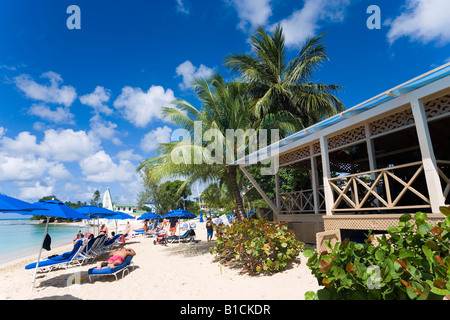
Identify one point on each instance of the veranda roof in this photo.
(407, 87)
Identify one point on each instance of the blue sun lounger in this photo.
(62, 260)
(112, 271)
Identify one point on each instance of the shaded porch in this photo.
(367, 170)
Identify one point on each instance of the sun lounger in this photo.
(91, 250)
(124, 267)
(111, 243)
(62, 260)
(188, 236)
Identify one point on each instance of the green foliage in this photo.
(257, 245)
(167, 196)
(412, 262)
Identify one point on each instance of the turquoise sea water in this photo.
(22, 237)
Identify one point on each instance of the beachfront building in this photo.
(110, 205)
(368, 164)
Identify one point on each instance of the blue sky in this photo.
(80, 108)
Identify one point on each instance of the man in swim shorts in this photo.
(117, 257)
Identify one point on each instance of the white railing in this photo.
(382, 189)
(298, 202)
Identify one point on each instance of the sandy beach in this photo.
(162, 272)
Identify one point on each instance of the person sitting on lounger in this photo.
(103, 230)
(117, 257)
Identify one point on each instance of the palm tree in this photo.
(285, 88)
(224, 106)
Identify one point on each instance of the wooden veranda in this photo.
(369, 164)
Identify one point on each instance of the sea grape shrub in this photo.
(257, 245)
(412, 262)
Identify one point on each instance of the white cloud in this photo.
(22, 168)
(60, 172)
(189, 72)
(2, 131)
(140, 107)
(97, 100)
(305, 23)
(23, 144)
(152, 139)
(422, 20)
(181, 6)
(62, 145)
(252, 12)
(128, 155)
(36, 191)
(99, 167)
(61, 115)
(68, 145)
(53, 93)
(102, 129)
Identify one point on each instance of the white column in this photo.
(428, 158)
(277, 191)
(314, 180)
(329, 201)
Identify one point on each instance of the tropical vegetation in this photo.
(257, 245)
(411, 262)
(271, 93)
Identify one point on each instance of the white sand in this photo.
(169, 272)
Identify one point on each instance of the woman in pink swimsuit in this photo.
(117, 257)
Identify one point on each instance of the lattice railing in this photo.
(396, 187)
(298, 202)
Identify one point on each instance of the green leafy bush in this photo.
(257, 245)
(411, 262)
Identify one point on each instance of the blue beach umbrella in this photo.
(201, 217)
(179, 214)
(53, 208)
(95, 212)
(119, 216)
(149, 215)
(9, 204)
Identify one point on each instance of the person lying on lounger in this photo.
(117, 257)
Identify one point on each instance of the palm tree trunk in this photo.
(235, 189)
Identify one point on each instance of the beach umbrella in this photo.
(53, 208)
(149, 215)
(119, 216)
(201, 217)
(179, 214)
(95, 212)
(9, 204)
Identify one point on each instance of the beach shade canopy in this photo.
(119, 216)
(96, 212)
(53, 208)
(149, 215)
(9, 204)
(179, 214)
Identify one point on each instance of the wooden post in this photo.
(260, 190)
(436, 195)
(329, 201)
